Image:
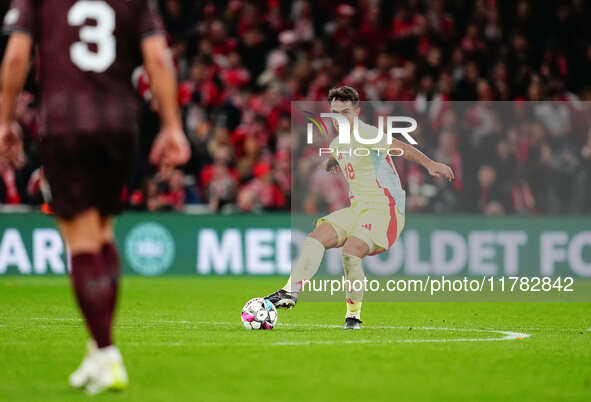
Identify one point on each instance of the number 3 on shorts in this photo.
(100, 34)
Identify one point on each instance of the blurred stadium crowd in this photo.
(241, 63)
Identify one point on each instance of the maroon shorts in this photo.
(87, 170)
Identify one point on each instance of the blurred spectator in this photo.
(219, 181)
(261, 193)
(490, 198)
(163, 192)
(240, 64)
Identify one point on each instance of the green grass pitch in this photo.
(182, 340)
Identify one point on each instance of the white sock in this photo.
(306, 266)
(354, 274)
(109, 353)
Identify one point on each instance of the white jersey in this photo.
(369, 171)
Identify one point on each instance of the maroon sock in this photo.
(94, 291)
(111, 259)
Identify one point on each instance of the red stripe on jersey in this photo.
(393, 225)
(389, 160)
(392, 230)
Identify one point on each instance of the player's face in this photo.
(345, 108)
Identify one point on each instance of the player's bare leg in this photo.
(83, 233)
(354, 250)
(107, 234)
(95, 289)
(322, 238)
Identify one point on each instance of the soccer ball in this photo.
(259, 313)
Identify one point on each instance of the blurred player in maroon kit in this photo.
(86, 51)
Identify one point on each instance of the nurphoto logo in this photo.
(345, 129)
(387, 126)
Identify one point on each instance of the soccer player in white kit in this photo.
(375, 218)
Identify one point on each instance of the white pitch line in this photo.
(133, 323)
(546, 329)
(54, 319)
(508, 335)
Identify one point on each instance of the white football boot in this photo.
(80, 377)
(109, 372)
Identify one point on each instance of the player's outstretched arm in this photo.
(414, 155)
(15, 67)
(170, 146)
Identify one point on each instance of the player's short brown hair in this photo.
(344, 94)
